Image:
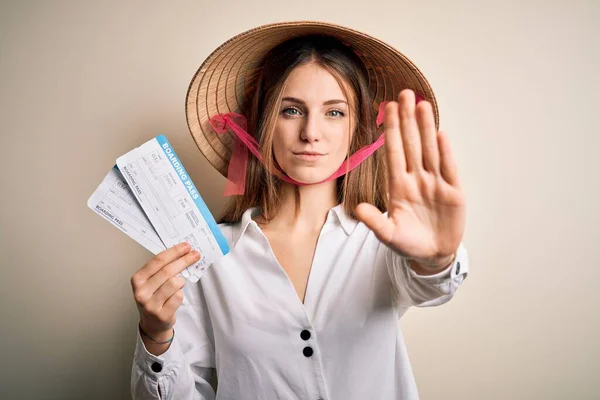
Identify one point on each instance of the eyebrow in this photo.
(326, 103)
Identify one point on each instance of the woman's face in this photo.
(312, 131)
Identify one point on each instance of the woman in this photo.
(330, 246)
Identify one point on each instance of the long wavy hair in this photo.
(365, 183)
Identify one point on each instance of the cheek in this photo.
(279, 146)
(343, 146)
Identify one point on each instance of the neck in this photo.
(315, 203)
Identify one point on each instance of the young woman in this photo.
(332, 235)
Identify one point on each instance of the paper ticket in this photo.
(172, 203)
(114, 202)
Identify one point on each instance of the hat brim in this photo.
(226, 77)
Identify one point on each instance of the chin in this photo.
(309, 175)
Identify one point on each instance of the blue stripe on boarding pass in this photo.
(191, 188)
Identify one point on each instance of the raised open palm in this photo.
(426, 208)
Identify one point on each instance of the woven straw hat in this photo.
(229, 74)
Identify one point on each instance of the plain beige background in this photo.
(83, 82)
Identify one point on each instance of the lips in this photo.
(309, 153)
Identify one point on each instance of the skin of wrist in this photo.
(431, 266)
(159, 336)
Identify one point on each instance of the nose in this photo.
(310, 129)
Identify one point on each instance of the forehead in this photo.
(313, 83)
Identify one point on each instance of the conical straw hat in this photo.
(229, 75)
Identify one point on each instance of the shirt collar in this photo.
(240, 228)
(347, 222)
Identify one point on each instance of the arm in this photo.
(185, 368)
(412, 288)
(426, 210)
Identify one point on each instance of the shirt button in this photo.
(156, 367)
(308, 351)
(305, 335)
(457, 267)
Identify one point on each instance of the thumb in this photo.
(375, 221)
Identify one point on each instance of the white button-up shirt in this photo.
(244, 322)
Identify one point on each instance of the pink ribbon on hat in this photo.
(236, 173)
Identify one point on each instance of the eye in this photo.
(336, 113)
(290, 111)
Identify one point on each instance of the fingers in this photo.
(393, 143)
(173, 303)
(411, 137)
(161, 306)
(375, 221)
(167, 289)
(157, 289)
(426, 123)
(409, 128)
(448, 168)
(163, 266)
(170, 270)
(160, 260)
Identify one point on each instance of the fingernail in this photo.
(185, 246)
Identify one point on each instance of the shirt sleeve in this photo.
(187, 369)
(412, 289)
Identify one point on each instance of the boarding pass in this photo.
(113, 201)
(171, 203)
